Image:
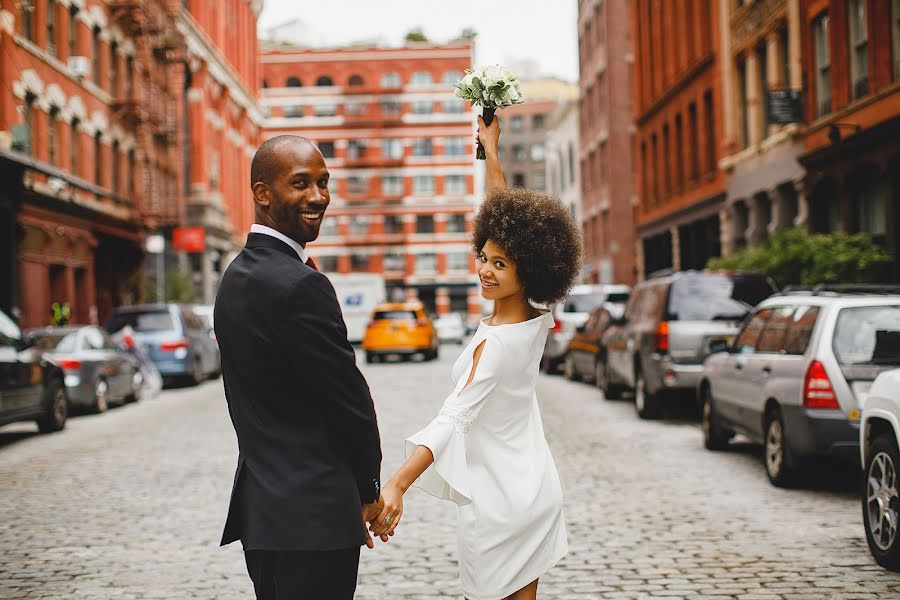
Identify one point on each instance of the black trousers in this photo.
(301, 575)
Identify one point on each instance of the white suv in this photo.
(797, 375)
(879, 441)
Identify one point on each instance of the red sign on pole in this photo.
(189, 239)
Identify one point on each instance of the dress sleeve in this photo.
(448, 477)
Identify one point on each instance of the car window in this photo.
(394, 315)
(93, 339)
(143, 322)
(749, 335)
(582, 303)
(714, 297)
(617, 298)
(802, 322)
(868, 335)
(773, 336)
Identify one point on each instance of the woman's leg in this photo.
(529, 592)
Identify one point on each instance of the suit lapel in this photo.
(261, 240)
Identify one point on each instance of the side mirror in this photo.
(718, 346)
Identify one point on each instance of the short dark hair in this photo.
(264, 166)
(538, 233)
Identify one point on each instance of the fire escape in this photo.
(148, 106)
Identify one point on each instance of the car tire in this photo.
(645, 404)
(880, 499)
(196, 376)
(601, 379)
(137, 388)
(714, 437)
(548, 365)
(54, 418)
(371, 358)
(101, 396)
(776, 454)
(570, 371)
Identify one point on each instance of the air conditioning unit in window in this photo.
(79, 66)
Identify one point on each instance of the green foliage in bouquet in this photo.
(797, 257)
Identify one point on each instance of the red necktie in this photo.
(311, 264)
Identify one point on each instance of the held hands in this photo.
(370, 514)
(392, 509)
(489, 135)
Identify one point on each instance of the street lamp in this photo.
(156, 244)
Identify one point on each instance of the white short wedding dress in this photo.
(491, 458)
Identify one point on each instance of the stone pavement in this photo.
(130, 504)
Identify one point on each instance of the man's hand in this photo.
(389, 517)
(370, 512)
(489, 135)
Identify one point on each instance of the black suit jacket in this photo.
(310, 453)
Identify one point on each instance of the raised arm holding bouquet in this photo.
(489, 87)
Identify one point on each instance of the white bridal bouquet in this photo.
(489, 87)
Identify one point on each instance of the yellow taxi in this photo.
(400, 328)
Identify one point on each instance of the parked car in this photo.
(450, 328)
(669, 323)
(205, 313)
(98, 371)
(879, 441)
(176, 339)
(585, 358)
(797, 375)
(400, 328)
(31, 385)
(573, 312)
(152, 380)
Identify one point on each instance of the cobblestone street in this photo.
(130, 504)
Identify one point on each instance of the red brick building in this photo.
(851, 57)
(90, 150)
(606, 151)
(399, 147)
(223, 128)
(677, 109)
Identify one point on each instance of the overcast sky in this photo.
(509, 31)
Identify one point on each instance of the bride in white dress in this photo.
(486, 449)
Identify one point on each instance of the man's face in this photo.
(298, 195)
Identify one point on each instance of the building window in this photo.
(645, 169)
(73, 147)
(517, 124)
(355, 81)
(859, 48)
(265, 84)
(537, 152)
(654, 168)
(394, 260)
(823, 65)
(324, 81)
(359, 225)
(129, 77)
(666, 174)
(895, 37)
(455, 185)
(456, 224)
(392, 148)
(116, 167)
(763, 68)
(355, 106)
(293, 82)
(355, 150)
(785, 57)
(421, 78)
(455, 146)
(423, 184)
(539, 181)
(454, 106)
(328, 109)
(327, 149)
(98, 159)
(73, 30)
(390, 107)
(52, 137)
(95, 49)
(744, 106)
(426, 262)
(391, 185)
(422, 107)
(518, 153)
(129, 177)
(359, 263)
(51, 27)
(27, 20)
(518, 180)
(327, 264)
(458, 261)
(293, 111)
(424, 224)
(390, 80)
(537, 122)
(329, 228)
(357, 185)
(422, 147)
(873, 207)
(113, 67)
(712, 160)
(393, 224)
(451, 77)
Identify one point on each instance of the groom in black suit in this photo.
(308, 474)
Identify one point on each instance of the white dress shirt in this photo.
(300, 250)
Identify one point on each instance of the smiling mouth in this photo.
(486, 284)
(312, 216)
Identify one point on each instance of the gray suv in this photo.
(670, 321)
(798, 374)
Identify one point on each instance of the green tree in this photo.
(797, 257)
(416, 35)
(179, 288)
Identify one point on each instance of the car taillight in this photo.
(170, 345)
(557, 326)
(817, 389)
(67, 364)
(662, 336)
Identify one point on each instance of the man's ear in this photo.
(261, 194)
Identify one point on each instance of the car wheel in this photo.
(777, 457)
(645, 404)
(137, 387)
(196, 372)
(371, 358)
(881, 502)
(57, 409)
(548, 365)
(101, 396)
(714, 437)
(601, 378)
(570, 372)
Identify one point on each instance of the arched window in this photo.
(293, 82)
(390, 80)
(73, 146)
(421, 78)
(355, 80)
(53, 151)
(324, 80)
(265, 83)
(451, 77)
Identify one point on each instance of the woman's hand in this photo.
(390, 515)
(489, 135)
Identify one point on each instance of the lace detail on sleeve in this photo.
(460, 417)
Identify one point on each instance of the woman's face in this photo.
(497, 273)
